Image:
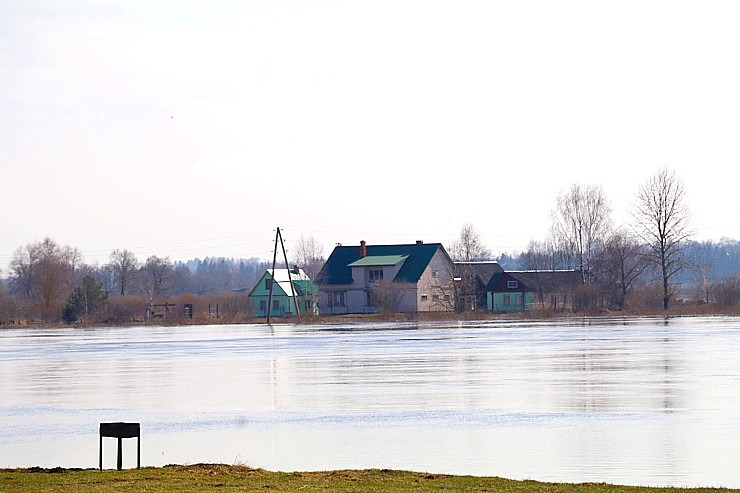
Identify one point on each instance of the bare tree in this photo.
(662, 218)
(22, 269)
(469, 247)
(73, 259)
(157, 276)
(620, 264)
(386, 296)
(445, 286)
(726, 292)
(10, 308)
(581, 222)
(704, 267)
(309, 256)
(543, 256)
(45, 270)
(125, 268)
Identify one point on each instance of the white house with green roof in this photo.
(403, 278)
(284, 299)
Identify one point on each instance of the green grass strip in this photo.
(227, 479)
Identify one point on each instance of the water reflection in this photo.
(635, 401)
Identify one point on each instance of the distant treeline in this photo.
(716, 260)
(49, 282)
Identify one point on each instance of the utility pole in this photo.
(279, 236)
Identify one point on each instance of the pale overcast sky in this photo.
(193, 129)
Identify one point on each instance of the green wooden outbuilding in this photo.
(283, 301)
(524, 290)
(507, 293)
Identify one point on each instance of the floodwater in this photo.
(628, 401)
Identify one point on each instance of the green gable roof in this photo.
(378, 260)
(301, 284)
(337, 269)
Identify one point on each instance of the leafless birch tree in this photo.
(581, 221)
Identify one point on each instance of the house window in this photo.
(447, 297)
(375, 275)
(517, 299)
(507, 299)
(369, 298)
(276, 304)
(268, 284)
(337, 298)
(434, 274)
(435, 297)
(263, 305)
(424, 297)
(512, 284)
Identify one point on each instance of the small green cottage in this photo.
(524, 290)
(283, 302)
(507, 293)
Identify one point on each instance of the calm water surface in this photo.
(636, 401)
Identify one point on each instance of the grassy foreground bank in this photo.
(221, 478)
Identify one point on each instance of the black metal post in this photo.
(120, 431)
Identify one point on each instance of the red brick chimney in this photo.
(363, 249)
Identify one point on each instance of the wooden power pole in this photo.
(279, 236)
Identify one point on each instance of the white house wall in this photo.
(355, 299)
(440, 285)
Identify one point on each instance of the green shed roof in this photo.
(378, 260)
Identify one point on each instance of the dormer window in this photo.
(512, 284)
(375, 275)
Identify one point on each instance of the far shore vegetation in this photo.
(50, 286)
(651, 265)
(201, 478)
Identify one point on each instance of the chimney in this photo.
(296, 269)
(363, 249)
(419, 242)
